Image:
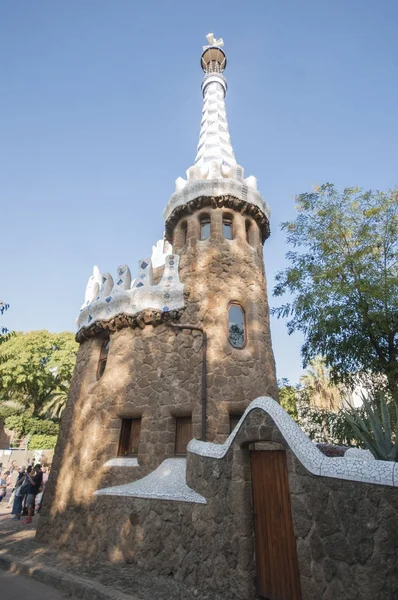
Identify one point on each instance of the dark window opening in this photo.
(129, 437)
(205, 228)
(184, 229)
(103, 358)
(248, 227)
(236, 325)
(227, 228)
(183, 435)
(233, 421)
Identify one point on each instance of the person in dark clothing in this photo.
(34, 484)
(19, 495)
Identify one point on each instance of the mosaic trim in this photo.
(221, 201)
(167, 482)
(213, 123)
(131, 297)
(358, 454)
(218, 187)
(378, 472)
(141, 319)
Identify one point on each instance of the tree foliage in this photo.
(320, 424)
(35, 367)
(319, 389)
(3, 330)
(42, 442)
(23, 425)
(325, 426)
(343, 277)
(287, 397)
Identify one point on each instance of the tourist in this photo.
(4, 482)
(34, 484)
(39, 497)
(21, 487)
(15, 476)
(25, 488)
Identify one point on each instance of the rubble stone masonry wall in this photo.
(346, 531)
(154, 372)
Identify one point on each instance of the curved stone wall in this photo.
(346, 531)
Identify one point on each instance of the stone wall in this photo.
(346, 531)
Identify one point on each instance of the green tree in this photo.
(343, 278)
(287, 397)
(3, 330)
(318, 388)
(35, 368)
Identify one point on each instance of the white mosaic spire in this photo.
(214, 140)
(215, 157)
(215, 171)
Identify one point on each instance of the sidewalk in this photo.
(21, 554)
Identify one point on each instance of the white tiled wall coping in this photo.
(379, 472)
(167, 482)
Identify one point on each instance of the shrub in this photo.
(327, 427)
(8, 411)
(376, 427)
(25, 424)
(42, 442)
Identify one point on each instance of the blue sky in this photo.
(100, 110)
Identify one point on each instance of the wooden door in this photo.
(276, 556)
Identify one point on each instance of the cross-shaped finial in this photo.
(213, 42)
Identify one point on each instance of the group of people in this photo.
(27, 486)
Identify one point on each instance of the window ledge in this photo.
(122, 461)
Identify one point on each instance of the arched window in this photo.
(227, 230)
(236, 326)
(103, 358)
(204, 227)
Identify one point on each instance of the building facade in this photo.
(181, 350)
(173, 452)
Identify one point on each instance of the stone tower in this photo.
(217, 222)
(181, 350)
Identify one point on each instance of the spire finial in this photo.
(213, 58)
(213, 41)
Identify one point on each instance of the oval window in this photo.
(236, 326)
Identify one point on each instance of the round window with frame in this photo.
(103, 358)
(236, 325)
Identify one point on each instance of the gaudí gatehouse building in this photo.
(174, 453)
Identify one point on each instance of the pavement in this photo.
(17, 587)
(70, 576)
